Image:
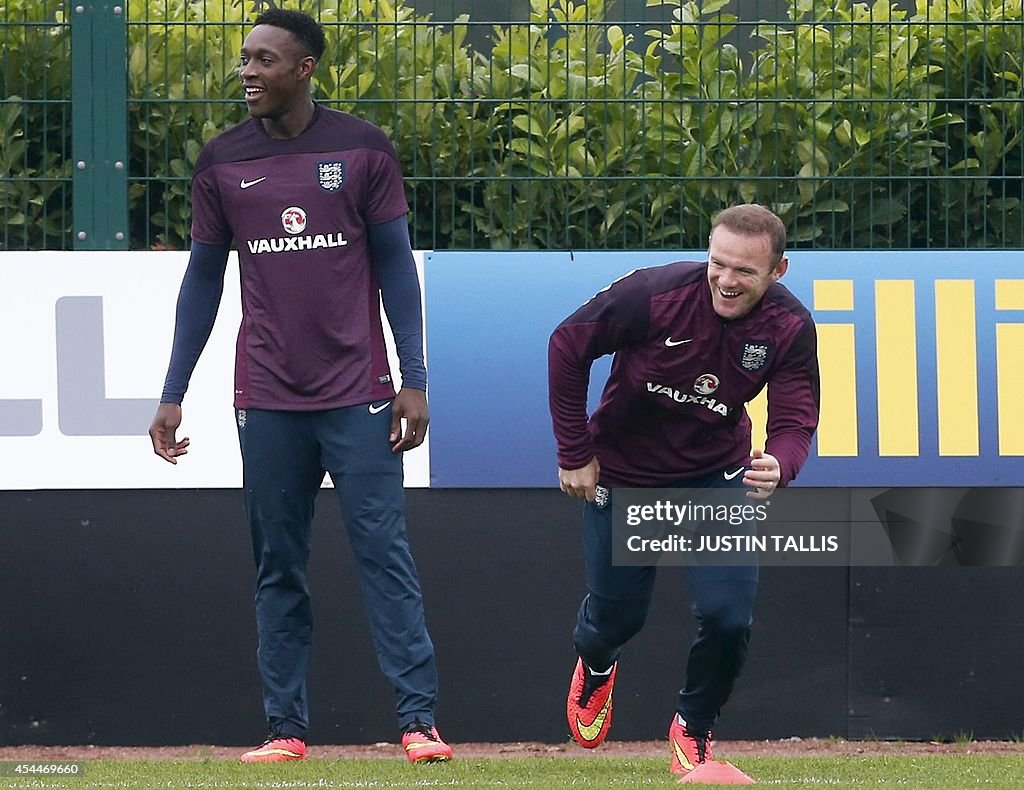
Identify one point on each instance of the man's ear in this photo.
(307, 66)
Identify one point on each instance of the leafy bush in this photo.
(383, 62)
(35, 129)
(183, 90)
(885, 121)
(980, 81)
(852, 115)
(862, 125)
(564, 150)
(415, 80)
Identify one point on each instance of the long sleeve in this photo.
(198, 303)
(616, 317)
(793, 404)
(400, 293)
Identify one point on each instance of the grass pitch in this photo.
(917, 771)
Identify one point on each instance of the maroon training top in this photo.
(673, 407)
(298, 210)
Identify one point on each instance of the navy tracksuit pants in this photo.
(615, 608)
(284, 457)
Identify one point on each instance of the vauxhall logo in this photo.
(294, 221)
(684, 397)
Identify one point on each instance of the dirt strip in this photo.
(790, 747)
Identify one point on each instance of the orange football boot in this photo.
(588, 707)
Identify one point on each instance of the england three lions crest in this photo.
(754, 355)
(331, 175)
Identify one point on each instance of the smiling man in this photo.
(693, 343)
(314, 201)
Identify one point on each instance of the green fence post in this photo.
(99, 124)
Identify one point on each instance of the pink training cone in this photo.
(716, 772)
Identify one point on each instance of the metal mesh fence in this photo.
(554, 124)
(35, 118)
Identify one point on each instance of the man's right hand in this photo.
(580, 482)
(162, 430)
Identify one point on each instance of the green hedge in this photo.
(864, 126)
(35, 126)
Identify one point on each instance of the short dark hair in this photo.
(301, 25)
(751, 219)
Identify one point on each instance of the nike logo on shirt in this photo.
(246, 184)
(673, 343)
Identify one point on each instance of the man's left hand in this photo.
(763, 475)
(410, 405)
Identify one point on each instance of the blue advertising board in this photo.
(921, 356)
